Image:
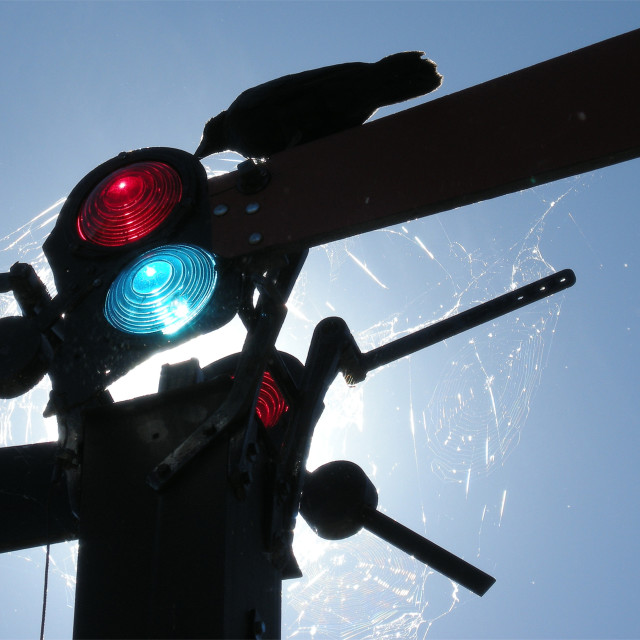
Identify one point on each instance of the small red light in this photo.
(129, 204)
(271, 403)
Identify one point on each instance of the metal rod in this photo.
(436, 557)
(467, 320)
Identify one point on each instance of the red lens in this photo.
(271, 403)
(129, 204)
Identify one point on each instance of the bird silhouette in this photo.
(302, 107)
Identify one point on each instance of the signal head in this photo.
(133, 265)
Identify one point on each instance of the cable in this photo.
(55, 476)
(46, 582)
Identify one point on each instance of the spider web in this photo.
(467, 399)
(457, 411)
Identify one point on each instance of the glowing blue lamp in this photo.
(162, 291)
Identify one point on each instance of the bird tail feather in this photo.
(406, 75)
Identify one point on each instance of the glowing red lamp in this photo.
(271, 403)
(129, 204)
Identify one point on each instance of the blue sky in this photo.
(542, 407)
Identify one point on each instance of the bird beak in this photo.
(200, 151)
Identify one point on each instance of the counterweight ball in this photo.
(334, 498)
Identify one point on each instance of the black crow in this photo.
(305, 106)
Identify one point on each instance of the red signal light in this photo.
(129, 204)
(271, 403)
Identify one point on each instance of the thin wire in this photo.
(46, 580)
(54, 478)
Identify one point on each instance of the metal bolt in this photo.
(255, 238)
(220, 209)
(252, 207)
(163, 470)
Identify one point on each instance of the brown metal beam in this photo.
(571, 114)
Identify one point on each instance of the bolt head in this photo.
(163, 470)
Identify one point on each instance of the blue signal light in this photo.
(162, 291)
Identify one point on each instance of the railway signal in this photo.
(132, 262)
(145, 255)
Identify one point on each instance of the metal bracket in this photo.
(30, 292)
(265, 324)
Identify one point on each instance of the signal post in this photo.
(188, 562)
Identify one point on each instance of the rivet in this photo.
(252, 207)
(220, 209)
(255, 238)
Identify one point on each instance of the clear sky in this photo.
(514, 445)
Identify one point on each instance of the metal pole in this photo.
(188, 562)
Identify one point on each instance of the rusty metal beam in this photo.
(571, 114)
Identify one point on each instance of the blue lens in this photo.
(162, 291)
